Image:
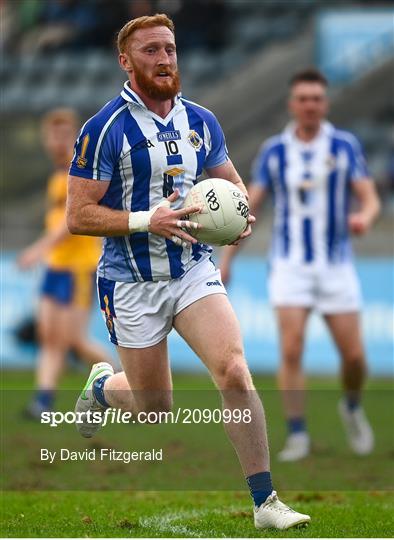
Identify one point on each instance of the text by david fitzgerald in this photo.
(102, 454)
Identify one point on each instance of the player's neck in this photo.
(306, 133)
(160, 108)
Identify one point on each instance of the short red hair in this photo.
(147, 21)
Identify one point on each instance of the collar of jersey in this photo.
(326, 128)
(129, 95)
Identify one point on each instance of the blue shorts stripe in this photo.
(106, 288)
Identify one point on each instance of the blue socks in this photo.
(352, 402)
(98, 391)
(296, 425)
(260, 485)
(45, 399)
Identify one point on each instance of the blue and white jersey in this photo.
(311, 186)
(145, 157)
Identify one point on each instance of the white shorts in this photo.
(141, 314)
(329, 289)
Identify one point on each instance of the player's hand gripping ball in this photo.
(224, 214)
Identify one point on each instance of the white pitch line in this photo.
(165, 522)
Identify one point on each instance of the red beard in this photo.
(168, 89)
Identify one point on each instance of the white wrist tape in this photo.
(140, 221)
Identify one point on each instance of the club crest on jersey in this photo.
(81, 160)
(331, 162)
(195, 140)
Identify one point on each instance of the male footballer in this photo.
(312, 169)
(134, 163)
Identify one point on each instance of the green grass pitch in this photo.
(346, 496)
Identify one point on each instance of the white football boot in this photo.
(358, 430)
(87, 401)
(297, 447)
(276, 515)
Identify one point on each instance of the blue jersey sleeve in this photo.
(358, 164)
(260, 173)
(218, 153)
(96, 151)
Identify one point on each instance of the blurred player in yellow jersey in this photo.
(68, 285)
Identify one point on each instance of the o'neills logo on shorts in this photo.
(212, 283)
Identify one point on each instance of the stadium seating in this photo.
(251, 27)
(264, 43)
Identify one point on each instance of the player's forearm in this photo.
(228, 172)
(95, 220)
(370, 207)
(368, 200)
(237, 181)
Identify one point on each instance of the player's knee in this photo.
(354, 358)
(79, 347)
(50, 338)
(292, 359)
(292, 352)
(235, 375)
(43, 332)
(153, 402)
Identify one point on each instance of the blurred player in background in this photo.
(135, 162)
(311, 168)
(71, 261)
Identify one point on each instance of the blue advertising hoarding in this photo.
(350, 42)
(248, 294)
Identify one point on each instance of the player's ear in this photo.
(125, 62)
